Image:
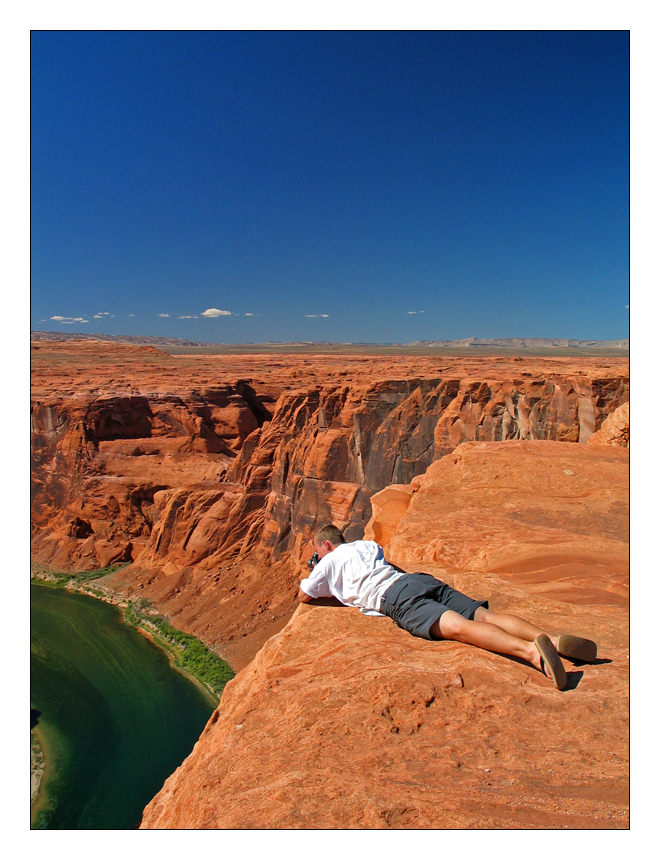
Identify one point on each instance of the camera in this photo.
(314, 560)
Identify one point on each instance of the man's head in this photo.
(326, 539)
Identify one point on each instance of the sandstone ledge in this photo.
(345, 721)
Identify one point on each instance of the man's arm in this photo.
(303, 597)
(317, 582)
(318, 601)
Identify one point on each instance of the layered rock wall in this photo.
(331, 449)
(212, 488)
(99, 463)
(325, 452)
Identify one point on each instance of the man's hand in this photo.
(318, 601)
(304, 598)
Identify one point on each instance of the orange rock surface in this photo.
(346, 721)
(615, 429)
(209, 473)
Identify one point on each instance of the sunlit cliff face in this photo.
(209, 475)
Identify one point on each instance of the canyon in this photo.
(206, 476)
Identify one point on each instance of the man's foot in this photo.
(550, 662)
(577, 648)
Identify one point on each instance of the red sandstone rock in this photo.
(211, 472)
(615, 429)
(558, 512)
(388, 507)
(346, 721)
(321, 458)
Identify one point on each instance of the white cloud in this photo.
(163, 316)
(103, 314)
(317, 316)
(410, 313)
(69, 320)
(131, 315)
(251, 315)
(214, 312)
(189, 317)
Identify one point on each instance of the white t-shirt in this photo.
(355, 573)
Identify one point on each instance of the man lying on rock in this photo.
(357, 574)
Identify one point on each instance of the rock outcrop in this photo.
(346, 721)
(209, 473)
(615, 429)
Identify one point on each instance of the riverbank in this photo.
(115, 718)
(187, 654)
(172, 657)
(41, 769)
(37, 764)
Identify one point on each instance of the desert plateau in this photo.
(205, 477)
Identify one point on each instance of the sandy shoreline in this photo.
(37, 765)
(39, 772)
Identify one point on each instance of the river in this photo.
(114, 718)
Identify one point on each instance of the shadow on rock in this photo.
(572, 680)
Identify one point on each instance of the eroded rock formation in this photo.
(209, 473)
(615, 429)
(343, 720)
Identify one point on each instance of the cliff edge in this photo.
(346, 721)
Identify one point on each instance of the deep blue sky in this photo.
(404, 185)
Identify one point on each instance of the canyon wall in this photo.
(98, 462)
(209, 476)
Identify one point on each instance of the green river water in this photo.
(114, 718)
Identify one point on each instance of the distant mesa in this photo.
(116, 338)
(528, 343)
(621, 346)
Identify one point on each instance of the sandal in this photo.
(551, 659)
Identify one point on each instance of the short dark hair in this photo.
(330, 533)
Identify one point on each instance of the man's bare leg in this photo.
(485, 635)
(511, 623)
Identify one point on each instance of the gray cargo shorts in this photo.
(417, 600)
